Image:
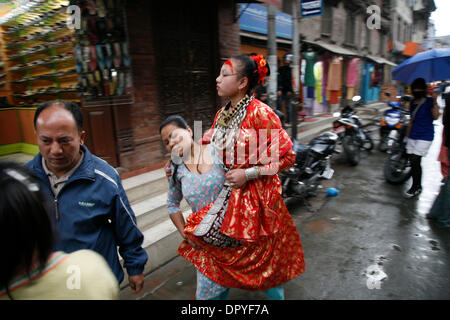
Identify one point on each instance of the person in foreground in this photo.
(90, 207)
(30, 269)
(252, 243)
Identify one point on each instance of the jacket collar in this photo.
(84, 171)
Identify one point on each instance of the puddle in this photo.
(319, 226)
(375, 275)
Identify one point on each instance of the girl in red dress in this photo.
(267, 251)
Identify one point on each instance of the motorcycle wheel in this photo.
(368, 143)
(383, 145)
(352, 150)
(396, 169)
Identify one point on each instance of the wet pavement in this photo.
(368, 243)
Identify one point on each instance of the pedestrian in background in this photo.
(445, 145)
(257, 246)
(91, 209)
(424, 110)
(285, 87)
(30, 269)
(440, 211)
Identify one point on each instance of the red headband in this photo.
(228, 62)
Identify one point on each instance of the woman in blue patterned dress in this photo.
(198, 177)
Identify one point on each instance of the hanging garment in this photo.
(310, 92)
(335, 75)
(334, 96)
(352, 72)
(350, 92)
(318, 88)
(310, 57)
(325, 69)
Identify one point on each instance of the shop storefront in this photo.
(330, 75)
(129, 64)
(253, 30)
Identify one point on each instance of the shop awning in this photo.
(276, 3)
(333, 48)
(412, 48)
(262, 37)
(381, 60)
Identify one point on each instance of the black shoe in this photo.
(413, 192)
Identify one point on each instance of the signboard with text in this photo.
(310, 8)
(253, 18)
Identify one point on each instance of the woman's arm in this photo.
(435, 110)
(270, 164)
(178, 220)
(174, 197)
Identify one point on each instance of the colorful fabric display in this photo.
(352, 72)
(334, 96)
(350, 92)
(310, 57)
(318, 76)
(335, 75)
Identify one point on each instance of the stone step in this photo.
(305, 135)
(145, 185)
(153, 210)
(161, 242)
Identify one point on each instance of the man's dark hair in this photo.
(26, 230)
(72, 107)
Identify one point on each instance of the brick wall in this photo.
(229, 39)
(138, 124)
(143, 114)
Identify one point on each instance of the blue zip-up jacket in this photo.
(92, 212)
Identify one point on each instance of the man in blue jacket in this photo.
(91, 209)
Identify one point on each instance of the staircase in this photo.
(147, 194)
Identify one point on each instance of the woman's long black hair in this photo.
(250, 70)
(25, 227)
(180, 123)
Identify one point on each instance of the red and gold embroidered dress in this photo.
(272, 253)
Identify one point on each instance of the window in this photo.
(405, 32)
(350, 28)
(368, 39)
(327, 20)
(381, 44)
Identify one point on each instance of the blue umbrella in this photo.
(432, 65)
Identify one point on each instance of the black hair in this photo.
(175, 119)
(419, 83)
(250, 70)
(26, 230)
(72, 107)
(180, 122)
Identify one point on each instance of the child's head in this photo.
(241, 73)
(26, 233)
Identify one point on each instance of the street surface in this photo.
(369, 242)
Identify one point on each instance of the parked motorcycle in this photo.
(349, 129)
(312, 164)
(397, 168)
(391, 121)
